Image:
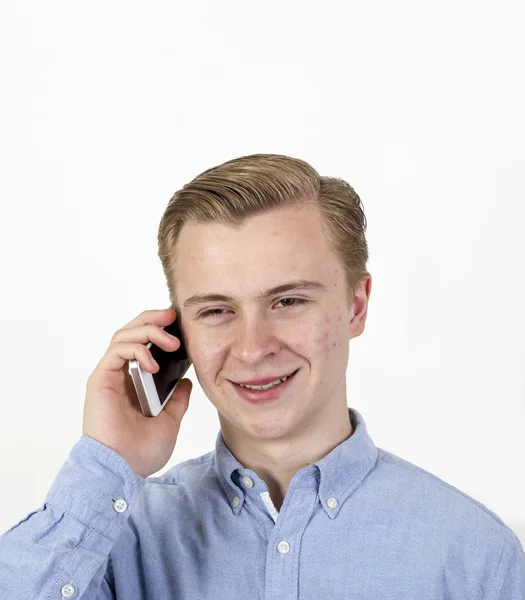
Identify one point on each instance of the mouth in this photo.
(274, 392)
(264, 382)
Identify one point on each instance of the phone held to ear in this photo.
(155, 389)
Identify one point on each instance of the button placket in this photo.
(285, 537)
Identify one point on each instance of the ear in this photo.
(360, 306)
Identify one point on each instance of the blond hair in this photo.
(250, 185)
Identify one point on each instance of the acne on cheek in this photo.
(325, 336)
(330, 334)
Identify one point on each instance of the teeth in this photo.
(264, 387)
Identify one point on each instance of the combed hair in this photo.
(250, 185)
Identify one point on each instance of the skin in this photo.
(251, 339)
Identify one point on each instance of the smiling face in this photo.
(247, 338)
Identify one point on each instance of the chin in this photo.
(255, 422)
(267, 428)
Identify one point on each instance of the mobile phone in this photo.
(155, 389)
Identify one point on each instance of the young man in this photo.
(266, 265)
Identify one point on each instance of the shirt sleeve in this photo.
(61, 550)
(514, 582)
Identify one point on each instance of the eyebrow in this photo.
(299, 284)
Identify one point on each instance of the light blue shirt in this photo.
(359, 524)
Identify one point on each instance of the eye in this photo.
(215, 312)
(212, 312)
(297, 301)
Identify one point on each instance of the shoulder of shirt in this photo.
(186, 470)
(464, 504)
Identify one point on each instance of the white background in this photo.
(107, 108)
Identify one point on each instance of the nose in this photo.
(253, 339)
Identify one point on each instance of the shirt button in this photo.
(120, 505)
(331, 502)
(236, 501)
(283, 547)
(247, 482)
(67, 590)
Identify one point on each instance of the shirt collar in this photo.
(338, 473)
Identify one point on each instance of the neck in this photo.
(277, 461)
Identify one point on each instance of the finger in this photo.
(157, 317)
(178, 404)
(120, 353)
(148, 333)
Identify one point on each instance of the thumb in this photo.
(177, 405)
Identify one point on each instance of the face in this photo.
(245, 338)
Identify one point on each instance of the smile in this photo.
(273, 390)
(266, 386)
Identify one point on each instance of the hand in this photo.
(112, 413)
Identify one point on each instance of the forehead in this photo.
(284, 243)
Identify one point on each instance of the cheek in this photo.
(203, 352)
(321, 338)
